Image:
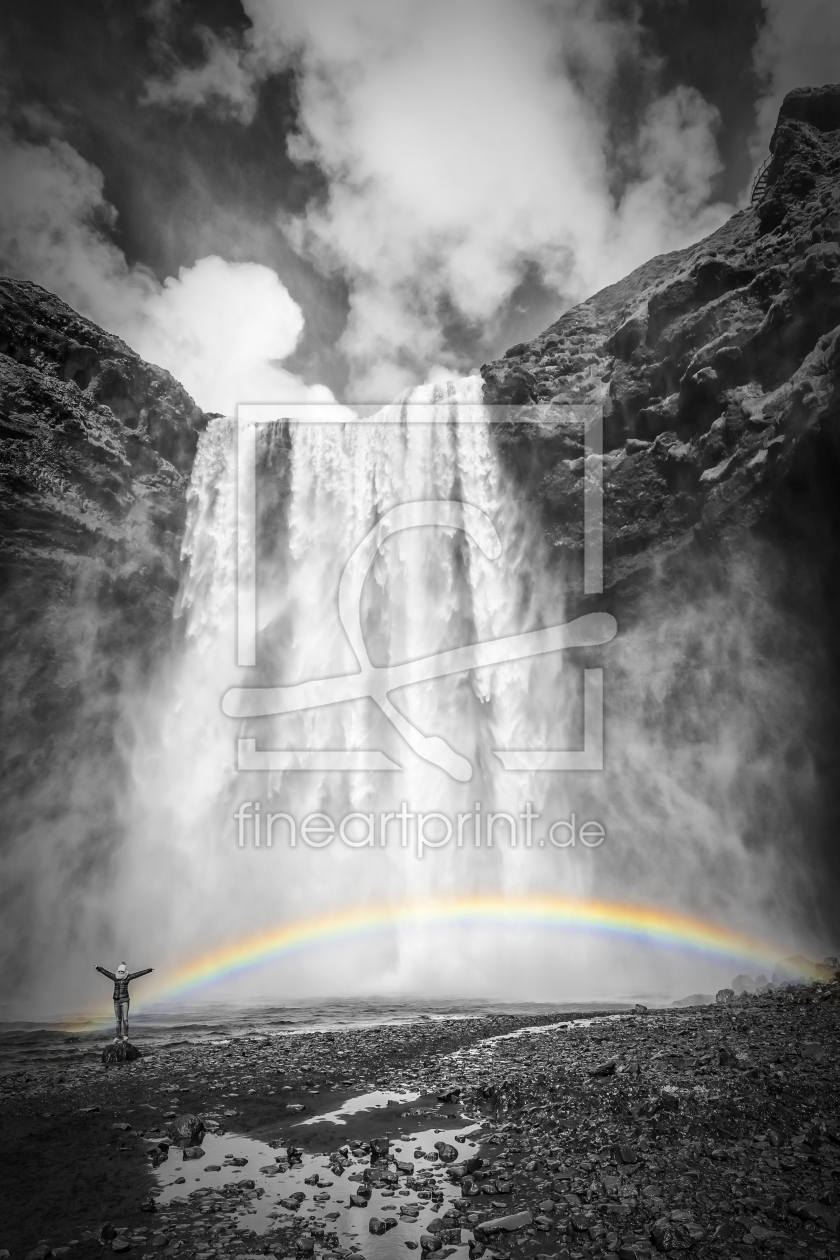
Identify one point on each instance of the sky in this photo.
(281, 200)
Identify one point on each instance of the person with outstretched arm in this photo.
(121, 980)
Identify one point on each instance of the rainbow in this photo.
(645, 924)
(649, 925)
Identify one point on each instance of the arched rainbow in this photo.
(647, 924)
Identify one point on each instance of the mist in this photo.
(467, 152)
(698, 694)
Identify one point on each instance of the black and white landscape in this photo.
(419, 483)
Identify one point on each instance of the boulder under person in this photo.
(121, 980)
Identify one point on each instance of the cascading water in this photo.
(431, 588)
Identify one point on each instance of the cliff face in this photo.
(718, 367)
(719, 372)
(96, 449)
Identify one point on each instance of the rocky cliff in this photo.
(718, 367)
(96, 449)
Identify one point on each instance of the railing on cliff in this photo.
(761, 181)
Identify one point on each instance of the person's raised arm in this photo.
(135, 974)
(105, 972)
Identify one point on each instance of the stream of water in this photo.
(243, 1183)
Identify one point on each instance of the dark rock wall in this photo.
(96, 449)
(718, 367)
(719, 372)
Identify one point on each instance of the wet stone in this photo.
(604, 1069)
(119, 1052)
(669, 1235)
(506, 1224)
(187, 1130)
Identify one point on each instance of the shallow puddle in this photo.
(214, 1189)
(363, 1102)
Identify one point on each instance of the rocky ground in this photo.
(702, 1131)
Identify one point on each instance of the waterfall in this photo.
(195, 872)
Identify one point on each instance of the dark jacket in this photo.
(121, 986)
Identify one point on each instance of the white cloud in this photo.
(678, 159)
(220, 328)
(226, 79)
(54, 225)
(799, 46)
(462, 140)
